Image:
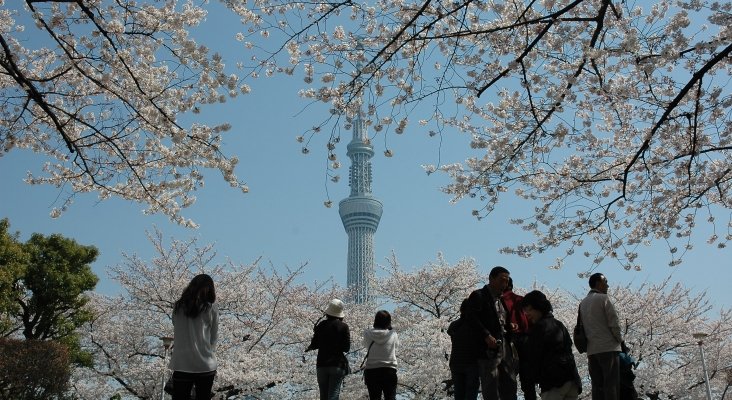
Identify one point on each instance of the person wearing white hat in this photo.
(332, 338)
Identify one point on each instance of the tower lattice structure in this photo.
(360, 213)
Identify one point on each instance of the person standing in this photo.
(550, 360)
(463, 357)
(519, 338)
(627, 389)
(602, 328)
(332, 338)
(380, 368)
(195, 327)
(489, 322)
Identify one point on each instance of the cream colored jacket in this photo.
(601, 322)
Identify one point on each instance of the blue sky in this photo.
(283, 219)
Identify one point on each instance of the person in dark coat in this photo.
(332, 338)
(464, 357)
(489, 323)
(552, 363)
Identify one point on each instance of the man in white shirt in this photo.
(602, 328)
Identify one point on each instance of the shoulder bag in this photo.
(578, 335)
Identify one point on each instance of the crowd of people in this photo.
(502, 338)
(499, 339)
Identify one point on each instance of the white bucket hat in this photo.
(335, 308)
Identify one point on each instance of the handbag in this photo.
(345, 364)
(578, 335)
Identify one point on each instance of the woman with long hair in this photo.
(380, 369)
(551, 362)
(196, 325)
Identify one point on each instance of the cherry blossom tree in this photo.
(425, 300)
(266, 322)
(612, 119)
(659, 320)
(98, 88)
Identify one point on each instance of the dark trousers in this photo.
(466, 382)
(605, 375)
(381, 380)
(528, 387)
(497, 379)
(184, 382)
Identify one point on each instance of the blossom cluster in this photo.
(101, 91)
(611, 119)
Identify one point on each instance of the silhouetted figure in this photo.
(195, 327)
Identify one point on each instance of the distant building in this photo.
(360, 213)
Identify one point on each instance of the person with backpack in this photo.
(601, 325)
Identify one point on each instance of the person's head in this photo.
(464, 307)
(509, 286)
(335, 309)
(197, 296)
(598, 282)
(536, 306)
(382, 320)
(498, 279)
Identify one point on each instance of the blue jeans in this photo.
(466, 382)
(329, 382)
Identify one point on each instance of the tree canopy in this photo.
(612, 119)
(45, 287)
(99, 88)
(12, 264)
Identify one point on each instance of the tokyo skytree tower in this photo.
(360, 213)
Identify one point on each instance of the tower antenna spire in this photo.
(360, 212)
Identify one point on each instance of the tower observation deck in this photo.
(360, 213)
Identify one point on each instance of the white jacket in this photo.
(382, 352)
(602, 326)
(194, 341)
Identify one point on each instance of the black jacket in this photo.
(465, 346)
(483, 318)
(550, 354)
(332, 338)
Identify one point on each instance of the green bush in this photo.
(33, 369)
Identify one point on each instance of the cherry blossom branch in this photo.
(695, 78)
